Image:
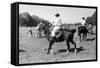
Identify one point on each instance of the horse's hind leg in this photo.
(68, 47)
(75, 51)
(79, 36)
(84, 37)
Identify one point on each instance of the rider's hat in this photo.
(57, 14)
(83, 17)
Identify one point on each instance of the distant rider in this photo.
(83, 22)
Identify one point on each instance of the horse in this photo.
(39, 30)
(91, 25)
(82, 32)
(66, 35)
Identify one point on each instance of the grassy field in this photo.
(33, 49)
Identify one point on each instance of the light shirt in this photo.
(57, 22)
(83, 22)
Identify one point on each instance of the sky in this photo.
(68, 14)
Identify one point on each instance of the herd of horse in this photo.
(64, 34)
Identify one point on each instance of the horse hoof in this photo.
(75, 51)
(67, 53)
(52, 52)
(47, 53)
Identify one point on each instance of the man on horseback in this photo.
(57, 25)
(82, 30)
(83, 22)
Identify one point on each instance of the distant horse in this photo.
(39, 30)
(66, 35)
(82, 33)
(90, 27)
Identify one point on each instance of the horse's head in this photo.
(47, 28)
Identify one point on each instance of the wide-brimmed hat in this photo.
(57, 14)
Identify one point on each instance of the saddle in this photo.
(81, 27)
(58, 33)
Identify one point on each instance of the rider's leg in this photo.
(53, 33)
(54, 30)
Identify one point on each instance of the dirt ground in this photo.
(33, 49)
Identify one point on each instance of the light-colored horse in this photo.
(39, 30)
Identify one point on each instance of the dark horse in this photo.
(66, 35)
(82, 32)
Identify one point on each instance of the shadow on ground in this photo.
(90, 39)
(20, 50)
(71, 50)
(41, 37)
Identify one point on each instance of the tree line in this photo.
(92, 19)
(27, 20)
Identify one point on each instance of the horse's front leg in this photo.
(50, 50)
(40, 34)
(75, 50)
(37, 34)
(68, 47)
(80, 37)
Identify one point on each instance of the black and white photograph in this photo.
(56, 34)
